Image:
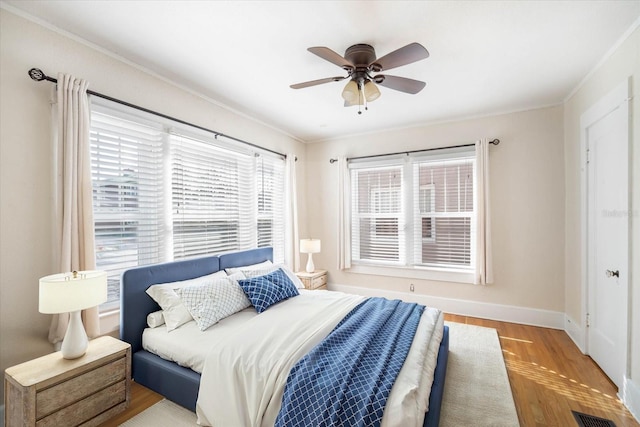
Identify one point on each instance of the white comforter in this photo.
(245, 372)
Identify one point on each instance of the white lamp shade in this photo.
(67, 292)
(310, 246)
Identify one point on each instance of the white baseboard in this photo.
(576, 333)
(631, 397)
(504, 313)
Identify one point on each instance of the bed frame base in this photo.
(174, 382)
(180, 384)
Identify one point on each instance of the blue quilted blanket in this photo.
(346, 379)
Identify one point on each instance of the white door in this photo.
(606, 138)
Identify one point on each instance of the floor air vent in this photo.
(585, 420)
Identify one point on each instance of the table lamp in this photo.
(71, 293)
(310, 246)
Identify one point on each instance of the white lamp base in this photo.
(75, 340)
(310, 267)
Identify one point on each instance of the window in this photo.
(212, 198)
(445, 213)
(377, 208)
(414, 212)
(270, 184)
(161, 194)
(127, 194)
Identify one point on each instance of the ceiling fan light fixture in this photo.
(371, 91)
(359, 61)
(350, 92)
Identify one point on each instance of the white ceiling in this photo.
(487, 57)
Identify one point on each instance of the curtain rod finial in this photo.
(36, 74)
(495, 142)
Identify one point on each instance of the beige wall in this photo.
(527, 203)
(624, 63)
(26, 167)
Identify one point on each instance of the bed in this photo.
(180, 384)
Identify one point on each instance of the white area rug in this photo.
(477, 391)
(163, 413)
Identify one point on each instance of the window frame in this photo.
(356, 217)
(430, 214)
(411, 211)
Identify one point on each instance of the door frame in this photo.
(616, 98)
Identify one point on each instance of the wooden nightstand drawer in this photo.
(315, 280)
(87, 409)
(63, 394)
(53, 391)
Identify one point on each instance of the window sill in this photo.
(110, 322)
(440, 275)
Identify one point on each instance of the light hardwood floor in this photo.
(549, 378)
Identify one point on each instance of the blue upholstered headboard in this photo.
(135, 304)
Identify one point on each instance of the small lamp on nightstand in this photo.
(71, 293)
(310, 246)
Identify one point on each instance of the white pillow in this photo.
(173, 310)
(258, 266)
(155, 319)
(214, 301)
(269, 269)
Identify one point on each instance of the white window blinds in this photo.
(160, 196)
(415, 211)
(127, 194)
(270, 185)
(377, 214)
(443, 214)
(213, 198)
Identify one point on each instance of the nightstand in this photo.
(52, 391)
(315, 280)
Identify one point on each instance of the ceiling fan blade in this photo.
(329, 55)
(402, 84)
(317, 82)
(405, 55)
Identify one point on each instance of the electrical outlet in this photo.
(411, 287)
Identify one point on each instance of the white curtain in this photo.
(344, 222)
(75, 239)
(484, 269)
(292, 241)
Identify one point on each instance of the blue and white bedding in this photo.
(247, 367)
(346, 379)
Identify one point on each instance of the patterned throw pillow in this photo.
(254, 272)
(214, 301)
(173, 310)
(264, 291)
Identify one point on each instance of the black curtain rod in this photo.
(37, 75)
(494, 142)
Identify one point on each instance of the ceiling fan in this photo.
(360, 63)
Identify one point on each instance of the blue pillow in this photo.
(282, 279)
(264, 291)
